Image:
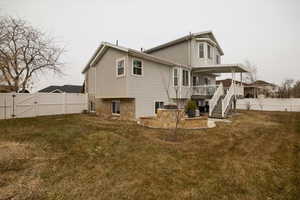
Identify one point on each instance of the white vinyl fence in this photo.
(18, 105)
(270, 104)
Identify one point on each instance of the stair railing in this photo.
(227, 98)
(214, 100)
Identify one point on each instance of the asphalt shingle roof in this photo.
(64, 88)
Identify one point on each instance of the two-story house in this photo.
(130, 84)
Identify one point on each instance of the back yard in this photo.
(257, 156)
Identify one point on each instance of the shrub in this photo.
(190, 106)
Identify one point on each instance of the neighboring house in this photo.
(255, 89)
(130, 84)
(262, 89)
(63, 89)
(6, 89)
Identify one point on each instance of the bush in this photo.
(190, 106)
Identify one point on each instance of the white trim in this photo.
(210, 51)
(58, 90)
(189, 78)
(178, 82)
(203, 43)
(137, 75)
(124, 71)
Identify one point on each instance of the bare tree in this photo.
(25, 52)
(251, 76)
(173, 91)
(286, 88)
(296, 89)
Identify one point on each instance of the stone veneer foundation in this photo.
(127, 109)
(166, 118)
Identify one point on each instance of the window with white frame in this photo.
(175, 77)
(120, 67)
(217, 59)
(209, 53)
(158, 104)
(115, 107)
(137, 67)
(201, 50)
(185, 77)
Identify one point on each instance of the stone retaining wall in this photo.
(166, 118)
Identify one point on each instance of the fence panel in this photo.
(38, 104)
(270, 104)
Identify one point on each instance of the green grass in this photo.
(257, 156)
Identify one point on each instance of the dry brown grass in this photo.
(257, 156)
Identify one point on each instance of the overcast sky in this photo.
(267, 32)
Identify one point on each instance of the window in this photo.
(208, 51)
(175, 77)
(158, 104)
(195, 80)
(206, 81)
(92, 106)
(185, 77)
(115, 108)
(201, 50)
(121, 67)
(217, 59)
(137, 67)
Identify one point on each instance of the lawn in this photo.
(257, 156)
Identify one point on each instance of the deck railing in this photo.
(214, 100)
(205, 90)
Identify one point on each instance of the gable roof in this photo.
(100, 51)
(262, 83)
(62, 89)
(227, 82)
(188, 37)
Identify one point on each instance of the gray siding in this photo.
(196, 61)
(150, 87)
(178, 53)
(104, 73)
(90, 81)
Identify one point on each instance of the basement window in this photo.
(158, 104)
(115, 107)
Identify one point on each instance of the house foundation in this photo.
(126, 110)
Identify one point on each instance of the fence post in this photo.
(35, 105)
(65, 103)
(13, 106)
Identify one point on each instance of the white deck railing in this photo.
(206, 90)
(234, 89)
(214, 100)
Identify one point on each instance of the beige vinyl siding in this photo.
(178, 53)
(149, 87)
(196, 61)
(108, 85)
(90, 81)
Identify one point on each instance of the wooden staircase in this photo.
(217, 111)
(221, 103)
